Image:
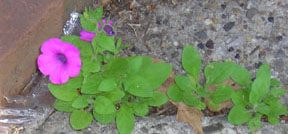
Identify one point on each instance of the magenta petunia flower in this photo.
(87, 36)
(60, 60)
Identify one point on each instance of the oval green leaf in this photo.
(80, 119)
(102, 105)
(191, 61)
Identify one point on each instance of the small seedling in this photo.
(251, 102)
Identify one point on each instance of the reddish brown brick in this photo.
(24, 25)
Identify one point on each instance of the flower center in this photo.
(109, 30)
(62, 58)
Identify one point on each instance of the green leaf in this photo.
(63, 106)
(239, 115)
(84, 47)
(222, 93)
(90, 66)
(118, 45)
(213, 105)
(263, 109)
(136, 63)
(157, 99)
(80, 102)
(217, 72)
(62, 92)
(270, 100)
(108, 85)
(115, 67)
(156, 74)
(72, 83)
(80, 119)
(125, 119)
(114, 95)
(102, 105)
(90, 18)
(67, 91)
(191, 61)
(275, 82)
(277, 109)
(190, 99)
(202, 93)
(261, 84)
(90, 86)
(240, 97)
(185, 83)
(241, 76)
(201, 105)
(175, 93)
(273, 119)
(104, 118)
(138, 86)
(105, 42)
(119, 42)
(278, 92)
(255, 123)
(140, 108)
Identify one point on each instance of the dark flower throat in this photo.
(62, 58)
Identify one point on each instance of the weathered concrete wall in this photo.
(24, 25)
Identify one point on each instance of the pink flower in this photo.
(60, 60)
(87, 36)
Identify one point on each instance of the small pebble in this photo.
(228, 26)
(209, 52)
(280, 53)
(213, 128)
(208, 22)
(175, 43)
(237, 56)
(133, 49)
(271, 19)
(144, 129)
(158, 22)
(262, 54)
(231, 49)
(237, 42)
(242, 5)
(175, 54)
(257, 65)
(223, 16)
(251, 13)
(202, 35)
(210, 44)
(279, 38)
(200, 45)
(223, 6)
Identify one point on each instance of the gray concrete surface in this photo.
(248, 32)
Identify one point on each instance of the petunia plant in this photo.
(252, 101)
(102, 85)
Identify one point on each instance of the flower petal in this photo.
(51, 46)
(70, 49)
(99, 25)
(104, 21)
(59, 76)
(73, 64)
(110, 22)
(47, 63)
(87, 36)
(73, 71)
